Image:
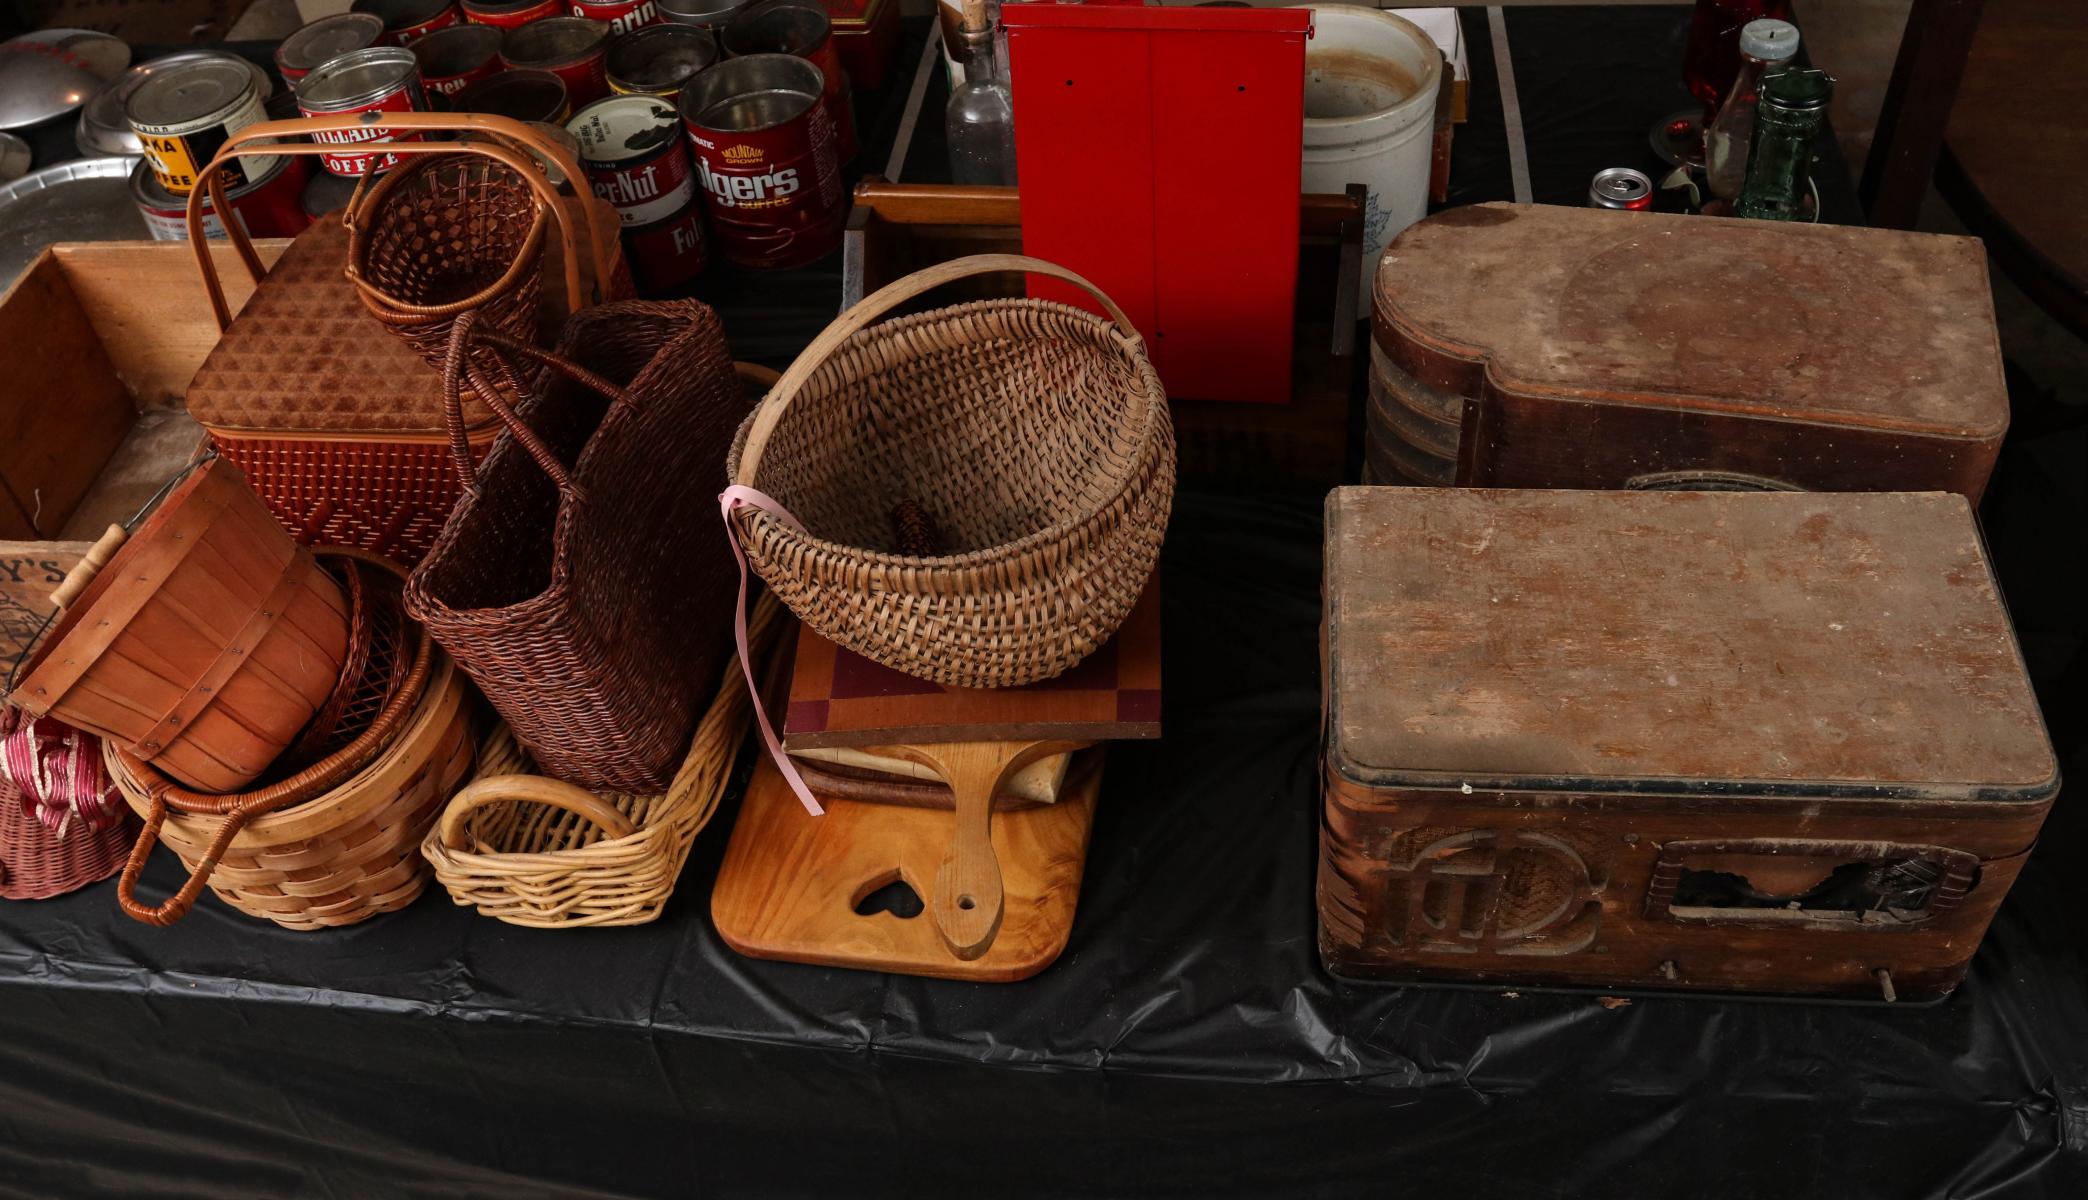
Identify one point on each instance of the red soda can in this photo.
(621, 16)
(325, 39)
(380, 79)
(455, 58)
(572, 48)
(408, 21)
(511, 14)
(766, 159)
(801, 28)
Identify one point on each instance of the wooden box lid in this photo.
(1871, 328)
(1775, 643)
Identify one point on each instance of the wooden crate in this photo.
(107, 336)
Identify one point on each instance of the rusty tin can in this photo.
(378, 80)
(621, 16)
(573, 48)
(408, 21)
(511, 14)
(1621, 188)
(324, 39)
(184, 114)
(766, 157)
(801, 28)
(658, 59)
(271, 206)
(455, 58)
(538, 97)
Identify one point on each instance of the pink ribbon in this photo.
(729, 499)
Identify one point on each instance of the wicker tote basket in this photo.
(1031, 438)
(90, 841)
(534, 851)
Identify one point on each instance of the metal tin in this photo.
(15, 158)
(184, 114)
(658, 59)
(326, 192)
(709, 15)
(408, 21)
(380, 79)
(535, 96)
(572, 48)
(621, 16)
(1621, 187)
(271, 206)
(636, 157)
(766, 157)
(866, 35)
(801, 28)
(455, 58)
(668, 253)
(511, 14)
(104, 129)
(324, 39)
(85, 200)
(49, 73)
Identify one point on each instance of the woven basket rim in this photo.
(387, 308)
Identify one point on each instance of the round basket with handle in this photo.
(974, 495)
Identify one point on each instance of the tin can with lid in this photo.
(270, 206)
(802, 28)
(511, 14)
(766, 159)
(408, 21)
(636, 157)
(455, 58)
(378, 80)
(572, 48)
(621, 16)
(658, 59)
(1621, 187)
(185, 113)
(324, 39)
(534, 96)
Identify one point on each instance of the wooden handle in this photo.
(538, 789)
(90, 565)
(876, 305)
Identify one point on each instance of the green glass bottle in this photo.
(1788, 119)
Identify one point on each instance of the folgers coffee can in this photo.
(621, 16)
(270, 206)
(801, 28)
(636, 157)
(378, 80)
(667, 254)
(408, 21)
(184, 114)
(658, 59)
(324, 39)
(538, 97)
(572, 48)
(455, 58)
(511, 14)
(766, 159)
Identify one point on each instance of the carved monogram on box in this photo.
(1487, 891)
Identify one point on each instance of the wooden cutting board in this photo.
(791, 883)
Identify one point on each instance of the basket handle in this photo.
(176, 906)
(506, 134)
(876, 305)
(537, 789)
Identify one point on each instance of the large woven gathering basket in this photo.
(1029, 439)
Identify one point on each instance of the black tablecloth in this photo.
(1187, 1043)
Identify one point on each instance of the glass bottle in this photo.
(1713, 57)
(1764, 46)
(1788, 118)
(981, 115)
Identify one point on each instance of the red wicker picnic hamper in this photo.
(335, 418)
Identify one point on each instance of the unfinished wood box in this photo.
(1742, 742)
(1539, 346)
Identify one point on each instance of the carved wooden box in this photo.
(1756, 742)
(1538, 346)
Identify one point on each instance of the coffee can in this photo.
(667, 254)
(621, 16)
(801, 28)
(326, 192)
(270, 206)
(408, 21)
(455, 58)
(766, 159)
(378, 80)
(1621, 187)
(185, 113)
(324, 39)
(572, 48)
(710, 16)
(538, 97)
(511, 14)
(636, 157)
(658, 59)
